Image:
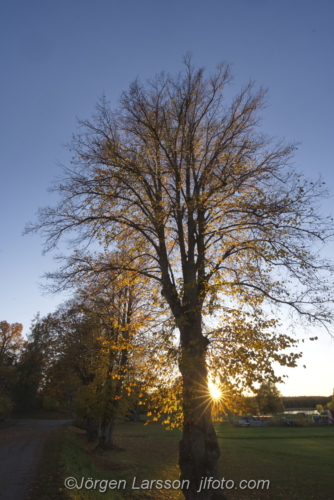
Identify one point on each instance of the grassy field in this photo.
(297, 461)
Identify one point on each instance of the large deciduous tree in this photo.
(35, 359)
(98, 334)
(208, 208)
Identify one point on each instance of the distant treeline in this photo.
(305, 401)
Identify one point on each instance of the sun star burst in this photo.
(215, 392)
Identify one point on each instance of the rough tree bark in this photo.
(106, 434)
(198, 449)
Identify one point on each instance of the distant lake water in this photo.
(307, 412)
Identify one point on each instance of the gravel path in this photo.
(20, 448)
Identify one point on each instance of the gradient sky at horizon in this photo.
(57, 58)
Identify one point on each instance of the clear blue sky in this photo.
(58, 57)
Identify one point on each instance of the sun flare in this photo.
(215, 392)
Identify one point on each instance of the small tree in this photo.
(209, 209)
(11, 346)
(269, 399)
(11, 342)
(330, 405)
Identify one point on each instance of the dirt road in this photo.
(20, 449)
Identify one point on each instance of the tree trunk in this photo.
(92, 429)
(133, 415)
(198, 449)
(106, 434)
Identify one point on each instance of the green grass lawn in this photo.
(299, 462)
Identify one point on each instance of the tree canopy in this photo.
(269, 399)
(210, 210)
(11, 341)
